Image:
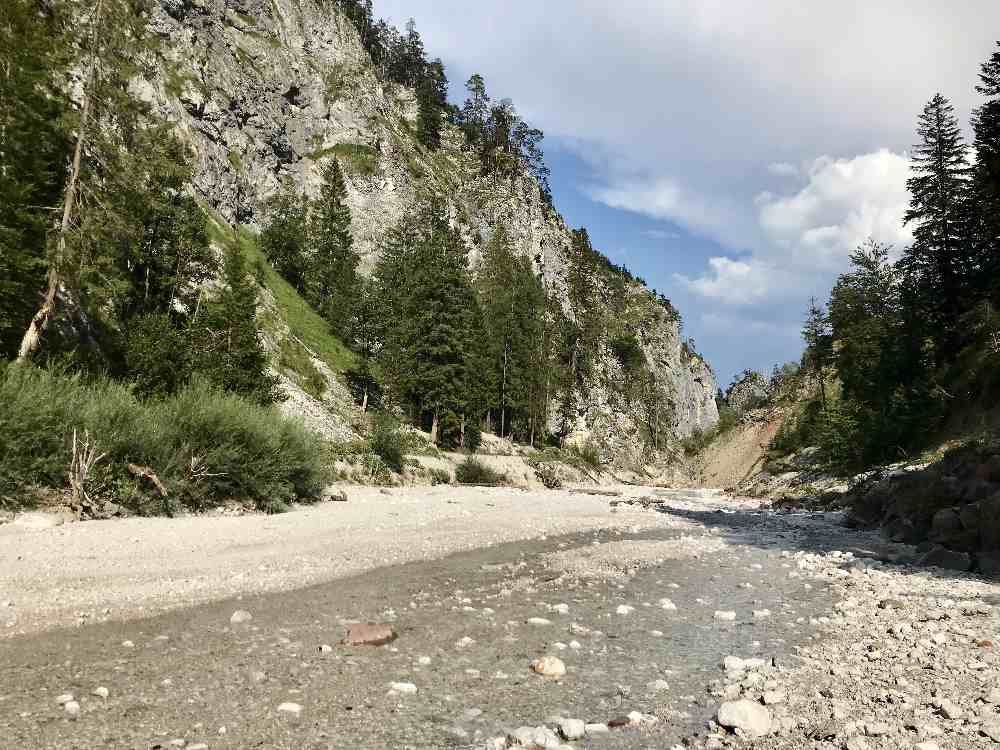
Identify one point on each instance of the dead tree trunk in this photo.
(32, 340)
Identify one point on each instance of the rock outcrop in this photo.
(264, 91)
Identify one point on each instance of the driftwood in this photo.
(594, 491)
(646, 502)
(144, 472)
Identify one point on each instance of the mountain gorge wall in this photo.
(265, 90)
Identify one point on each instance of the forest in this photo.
(910, 337)
(113, 281)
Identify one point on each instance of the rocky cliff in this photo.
(265, 90)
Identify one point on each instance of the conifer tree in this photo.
(819, 344)
(332, 276)
(228, 347)
(285, 238)
(985, 187)
(428, 116)
(938, 209)
(33, 143)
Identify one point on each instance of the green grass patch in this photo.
(358, 159)
(206, 447)
(303, 322)
(296, 361)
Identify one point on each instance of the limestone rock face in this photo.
(267, 90)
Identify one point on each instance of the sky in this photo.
(731, 152)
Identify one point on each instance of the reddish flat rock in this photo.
(362, 634)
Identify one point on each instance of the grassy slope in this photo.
(303, 322)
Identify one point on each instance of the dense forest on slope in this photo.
(910, 336)
(118, 264)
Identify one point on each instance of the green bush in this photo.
(473, 436)
(588, 453)
(388, 443)
(472, 471)
(439, 476)
(206, 447)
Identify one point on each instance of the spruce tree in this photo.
(436, 331)
(985, 184)
(938, 210)
(819, 345)
(428, 116)
(332, 279)
(34, 70)
(285, 238)
(228, 347)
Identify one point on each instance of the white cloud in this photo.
(807, 236)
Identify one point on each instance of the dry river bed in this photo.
(653, 626)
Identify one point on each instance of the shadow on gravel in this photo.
(808, 533)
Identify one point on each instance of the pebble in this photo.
(72, 709)
(725, 616)
(65, 698)
(128, 644)
(407, 688)
(667, 604)
(325, 649)
(926, 746)
(572, 729)
(549, 666)
(290, 708)
(240, 616)
(424, 661)
(750, 718)
(596, 728)
(101, 692)
(562, 609)
(624, 609)
(657, 686)
(760, 614)
(856, 743)
(541, 621)
(367, 634)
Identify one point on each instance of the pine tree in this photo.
(938, 208)
(513, 304)
(228, 347)
(33, 75)
(985, 187)
(111, 39)
(285, 238)
(428, 116)
(331, 285)
(475, 111)
(434, 365)
(819, 345)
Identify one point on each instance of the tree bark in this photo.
(32, 340)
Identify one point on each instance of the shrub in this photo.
(472, 471)
(205, 446)
(473, 436)
(439, 476)
(387, 443)
(588, 453)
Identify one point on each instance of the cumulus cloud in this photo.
(808, 235)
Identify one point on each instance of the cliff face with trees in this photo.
(268, 93)
(406, 249)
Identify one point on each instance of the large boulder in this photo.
(949, 530)
(752, 719)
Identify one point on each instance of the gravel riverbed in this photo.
(632, 627)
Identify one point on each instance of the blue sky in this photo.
(731, 152)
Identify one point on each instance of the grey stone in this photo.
(572, 729)
(750, 718)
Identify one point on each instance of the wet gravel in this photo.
(465, 645)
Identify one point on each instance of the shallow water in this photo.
(465, 695)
